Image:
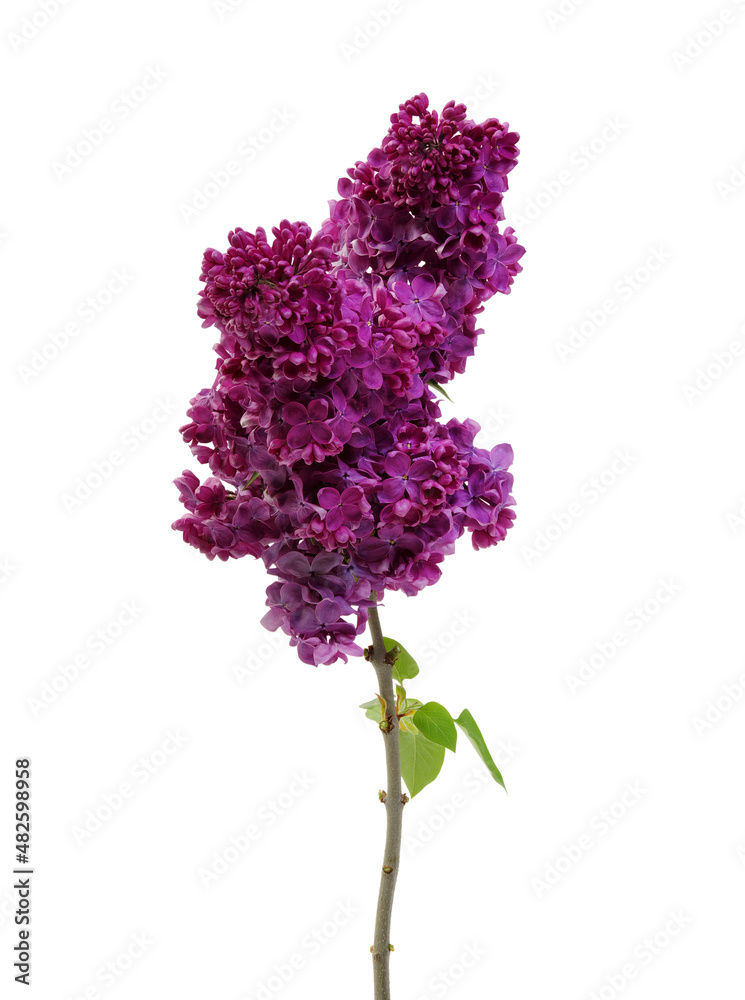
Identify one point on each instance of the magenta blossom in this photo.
(421, 299)
(322, 431)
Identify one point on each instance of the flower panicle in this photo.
(329, 459)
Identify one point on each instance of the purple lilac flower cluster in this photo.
(322, 429)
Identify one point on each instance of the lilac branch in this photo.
(393, 801)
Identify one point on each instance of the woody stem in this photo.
(393, 809)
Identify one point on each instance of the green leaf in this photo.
(410, 705)
(374, 709)
(253, 477)
(421, 760)
(436, 724)
(468, 724)
(438, 388)
(405, 665)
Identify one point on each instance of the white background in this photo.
(634, 264)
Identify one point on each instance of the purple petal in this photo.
(299, 436)
(334, 519)
(422, 468)
(328, 497)
(294, 413)
(372, 377)
(321, 433)
(304, 620)
(373, 549)
(293, 564)
(502, 456)
(325, 561)
(391, 490)
(397, 463)
(460, 293)
(274, 618)
(423, 286)
(328, 611)
(318, 409)
(403, 292)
